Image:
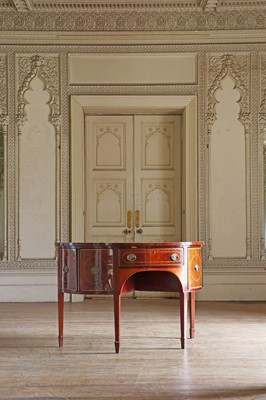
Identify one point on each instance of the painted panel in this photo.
(108, 202)
(158, 202)
(158, 145)
(106, 137)
(132, 69)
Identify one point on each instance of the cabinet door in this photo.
(96, 270)
(194, 268)
(68, 270)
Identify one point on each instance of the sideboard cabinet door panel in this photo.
(194, 268)
(96, 270)
(69, 269)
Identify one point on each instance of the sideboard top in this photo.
(94, 245)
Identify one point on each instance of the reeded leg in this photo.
(60, 318)
(117, 309)
(192, 298)
(183, 318)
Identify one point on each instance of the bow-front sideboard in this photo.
(117, 268)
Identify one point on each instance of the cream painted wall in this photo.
(45, 84)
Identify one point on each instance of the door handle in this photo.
(137, 222)
(129, 219)
(129, 223)
(137, 218)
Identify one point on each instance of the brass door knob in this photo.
(139, 230)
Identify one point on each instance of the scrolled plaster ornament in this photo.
(237, 67)
(47, 69)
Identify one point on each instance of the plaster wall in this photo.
(228, 81)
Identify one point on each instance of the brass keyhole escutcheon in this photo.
(95, 270)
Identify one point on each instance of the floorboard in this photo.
(225, 360)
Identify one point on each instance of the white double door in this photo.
(133, 178)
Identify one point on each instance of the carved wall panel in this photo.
(38, 158)
(228, 131)
(262, 152)
(3, 155)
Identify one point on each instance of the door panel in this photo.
(133, 178)
(157, 165)
(108, 175)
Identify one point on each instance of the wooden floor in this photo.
(226, 360)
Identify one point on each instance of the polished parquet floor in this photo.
(226, 360)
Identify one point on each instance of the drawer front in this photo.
(68, 269)
(194, 268)
(96, 270)
(141, 258)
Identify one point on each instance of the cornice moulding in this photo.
(99, 38)
(83, 5)
(137, 20)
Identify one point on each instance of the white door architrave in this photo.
(82, 105)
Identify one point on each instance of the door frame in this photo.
(186, 106)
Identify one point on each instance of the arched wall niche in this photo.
(82, 105)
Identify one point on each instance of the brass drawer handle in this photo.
(196, 268)
(175, 257)
(131, 257)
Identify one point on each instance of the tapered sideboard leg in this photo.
(192, 298)
(183, 318)
(117, 310)
(60, 318)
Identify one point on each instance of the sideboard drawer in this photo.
(150, 258)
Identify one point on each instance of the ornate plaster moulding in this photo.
(82, 5)
(134, 20)
(101, 38)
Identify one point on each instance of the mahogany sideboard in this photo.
(117, 268)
